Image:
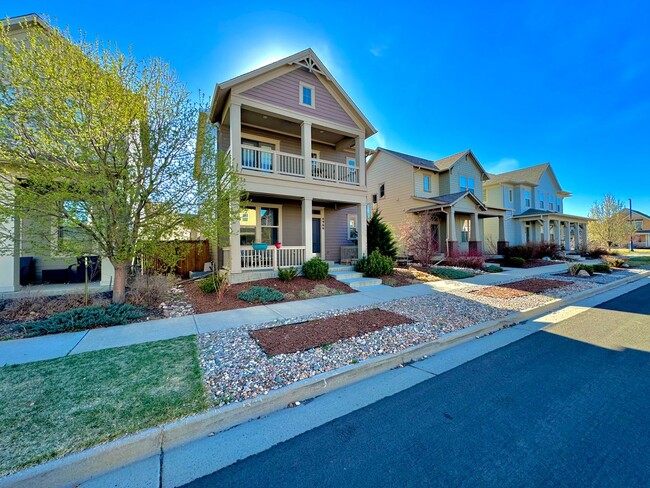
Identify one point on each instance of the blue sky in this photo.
(520, 83)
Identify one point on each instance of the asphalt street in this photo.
(566, 406)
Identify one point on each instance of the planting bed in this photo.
(521, 288)
(306, 335)
(297, 289)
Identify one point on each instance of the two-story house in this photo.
(534, 203)
(299, 142)
(641, 223)
(449, 190)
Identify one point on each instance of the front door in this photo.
(316, 235)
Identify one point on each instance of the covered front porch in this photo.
(458, 224)
(275, 233)
(568, 231)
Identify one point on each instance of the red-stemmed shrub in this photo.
(466, 259)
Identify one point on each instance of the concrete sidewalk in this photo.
(53, 346)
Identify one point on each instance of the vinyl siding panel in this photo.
(283, 91)
(292, 224)
(419, 175)
(336, 231)
(466, 167)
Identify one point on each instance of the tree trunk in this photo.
(119, 285)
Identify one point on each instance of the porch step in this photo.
(341, 275)
(337, 268)
(358, 283)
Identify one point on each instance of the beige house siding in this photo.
(494, 197)
(418, 176)
(292, 224)
(466, 167)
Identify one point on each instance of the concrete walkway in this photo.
(54, 346)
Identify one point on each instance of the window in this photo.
(307, 95)
(374, 198)
(259, 223)
(638, 224)
(261, 158)
(466, 184)
(541, 200)
(559, 208)
(426, 183)
(467, 227)
(74, 213)
(527, 198)
(485, 196)
(352, 227)
(352, 171)
(510, 195)
(382, 190)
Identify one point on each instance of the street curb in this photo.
(84, 465)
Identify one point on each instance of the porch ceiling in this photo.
(270, 122)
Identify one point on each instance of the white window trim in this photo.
(467, 187)
(426, 178)
(258, 219)
(381, 197)
(356, 223)
(313, 94)
(268, 140)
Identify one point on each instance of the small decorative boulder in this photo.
(546, 258)
(583, 274)
(625, 265)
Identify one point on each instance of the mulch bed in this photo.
(531, 263)
(307, 335)
(408, 276)
(207, 302)
(521, 288)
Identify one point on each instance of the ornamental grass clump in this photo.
(287, 274)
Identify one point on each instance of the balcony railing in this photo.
(271, 258)
(260, 160)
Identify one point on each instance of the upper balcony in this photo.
(261, 161)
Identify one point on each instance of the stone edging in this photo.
(100, 459)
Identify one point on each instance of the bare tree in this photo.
(419, 239)
(611, 224)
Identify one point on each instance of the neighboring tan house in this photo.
(534, 203)
(21, 262)
(299, 142)
(404, 187)
(642, 229)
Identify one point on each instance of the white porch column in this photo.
(9, 246)
(360, 157)
(584, 235)
(107, 277)
(305, 139)
(235, 136)
(557, 232)
(475, 231)
(307, 236)
(9, 251)
(547, 229)
(362, 228)
(567, 236)
(452, 243)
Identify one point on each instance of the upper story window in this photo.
(527, 198)
(426, 183)
(307, 95)
(550, 204)
(638, 224)
(541, 200)
(510, 195)
(466, 184)
(382, 190)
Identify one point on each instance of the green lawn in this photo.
(51, 408)
(639, 260)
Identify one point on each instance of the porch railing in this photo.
(268, 161)
(270, 258)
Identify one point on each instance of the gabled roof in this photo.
(438, 165)
(534, 211)
(307, 59)
(31, 19)
(529, 175)
(641, 214)
(451, 198)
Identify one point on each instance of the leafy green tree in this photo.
(611, 224)
(99, 152)
(380, 236)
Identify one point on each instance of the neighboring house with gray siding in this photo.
(534, 203)
(299, 142)
(404, 187)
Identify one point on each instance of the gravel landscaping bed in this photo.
(236, 368)
(521, 288)
(408, 276)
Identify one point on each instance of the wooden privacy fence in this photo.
(193, 255)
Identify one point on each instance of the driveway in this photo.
(567, 406)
